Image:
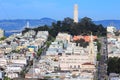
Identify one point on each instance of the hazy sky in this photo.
(59, 9)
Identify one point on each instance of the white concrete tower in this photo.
(76, 13)
(28, 25)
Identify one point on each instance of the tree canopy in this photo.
(2, 38)
(85, 26)
(113, 65)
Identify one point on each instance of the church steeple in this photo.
(91, 44)
(91, 38)
(91, 50)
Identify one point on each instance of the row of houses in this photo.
(113, 46)
(113, 42)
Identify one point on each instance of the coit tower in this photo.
(76, 13)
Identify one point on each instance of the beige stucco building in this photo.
(80, 60)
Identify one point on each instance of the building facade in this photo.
(1, 33)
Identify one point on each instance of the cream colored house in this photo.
(3, 62)
(111, 29)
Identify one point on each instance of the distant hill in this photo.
(106, 23)
(21, 23)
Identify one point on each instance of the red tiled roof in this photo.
(86, 38)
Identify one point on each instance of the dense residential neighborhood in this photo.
(68, 49)
(113, 46)
(18, 52)
(38, 55)
(62, 59)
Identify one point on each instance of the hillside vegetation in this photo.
(85, 26)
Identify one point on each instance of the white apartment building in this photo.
(63, 36)
(113, 47)
(111, 29)
(3, 62)
(1, 33)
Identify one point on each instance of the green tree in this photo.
(2, 38)
(16, 51)
(6, 78)
(113, 65)
(118, 66)
(48, 43)
(98, 56)
(98, 46)
(39, 51)
(82, 43)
